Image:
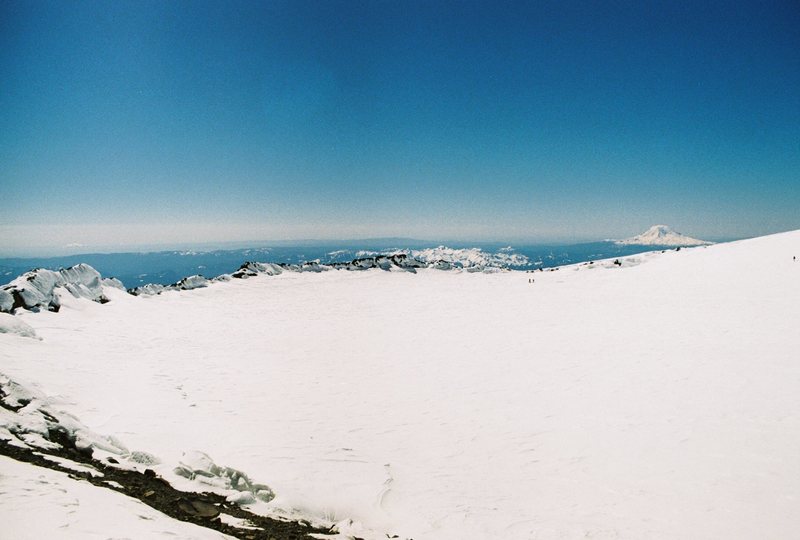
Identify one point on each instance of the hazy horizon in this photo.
(55, 251)
(52, 241)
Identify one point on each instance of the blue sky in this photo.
(126, 123)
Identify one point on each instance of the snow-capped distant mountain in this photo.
(662, 235)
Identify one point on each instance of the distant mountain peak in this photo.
(662, 235)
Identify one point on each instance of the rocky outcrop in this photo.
(250, 269)
(189, 283)
(185, 284)
(397, 261)
(387, 262)
(151, 289)
(38, 289)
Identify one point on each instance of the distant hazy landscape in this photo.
(165, 267)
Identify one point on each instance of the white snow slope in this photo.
(658, 399)
(662, 235)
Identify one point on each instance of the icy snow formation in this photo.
(199, 466)
(185, 284)
(662, 235)
(37, 289)
(14, 325)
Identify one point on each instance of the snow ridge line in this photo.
(36, 290)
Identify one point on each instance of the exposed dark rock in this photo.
(199, 508)
(151, 289)
(185, 284)
(189, 283)
(252, 268)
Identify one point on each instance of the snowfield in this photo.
(658, 399)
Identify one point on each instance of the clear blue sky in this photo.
(148, 122)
